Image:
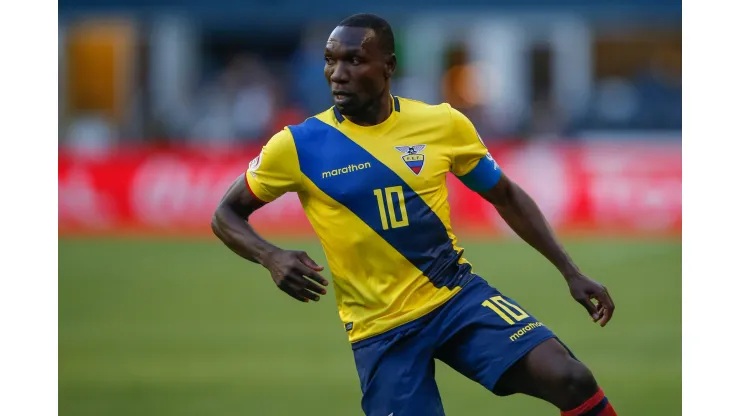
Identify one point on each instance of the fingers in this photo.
(305, 259)
(301, 288)
(307, 284)
(293, 293)
(312, 270)
(298, 292)
(607, 307)
(309, 295)
(314, 275)
(296, 274)
(590, 307)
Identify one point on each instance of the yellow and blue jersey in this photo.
(377, 198)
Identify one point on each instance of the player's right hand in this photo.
(291, 271)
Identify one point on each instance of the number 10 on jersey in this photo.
(398, 217)
(505, 309)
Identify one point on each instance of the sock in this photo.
(597, 405)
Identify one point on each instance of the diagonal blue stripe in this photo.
(338, 166)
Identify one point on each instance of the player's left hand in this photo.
(585, 291)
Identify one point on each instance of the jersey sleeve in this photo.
(471, 161)
(275, 171)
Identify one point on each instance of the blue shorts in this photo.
(479, 332)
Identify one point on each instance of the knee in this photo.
(576, 383)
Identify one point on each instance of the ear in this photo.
(390, 65)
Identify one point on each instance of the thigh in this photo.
(490, 334)
(397, 376)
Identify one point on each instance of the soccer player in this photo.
(370, 173)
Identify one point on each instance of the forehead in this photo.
(355, 38)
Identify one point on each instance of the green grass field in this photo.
(186, 328)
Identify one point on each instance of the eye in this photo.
(328, 60)
(356, 61)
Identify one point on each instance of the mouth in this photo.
(342, 96)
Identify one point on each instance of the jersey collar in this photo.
(346, 123)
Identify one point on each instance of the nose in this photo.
(340, 75)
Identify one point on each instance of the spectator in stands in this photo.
(239, 105)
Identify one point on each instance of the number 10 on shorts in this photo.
(505, 309)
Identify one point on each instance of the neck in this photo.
(375, 113)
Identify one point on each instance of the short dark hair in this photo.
(379, 25)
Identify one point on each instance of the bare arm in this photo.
(289, 269)
(523, 215)
(231, 226)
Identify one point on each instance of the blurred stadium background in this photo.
(162, 104)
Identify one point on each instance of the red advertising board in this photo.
(601, 188)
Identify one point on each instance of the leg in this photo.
(550, 373)
(494, 342)
(397, 376)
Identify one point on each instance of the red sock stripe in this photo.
(587, 405)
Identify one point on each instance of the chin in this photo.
(349, 108)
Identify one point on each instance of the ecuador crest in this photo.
(412, 156)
